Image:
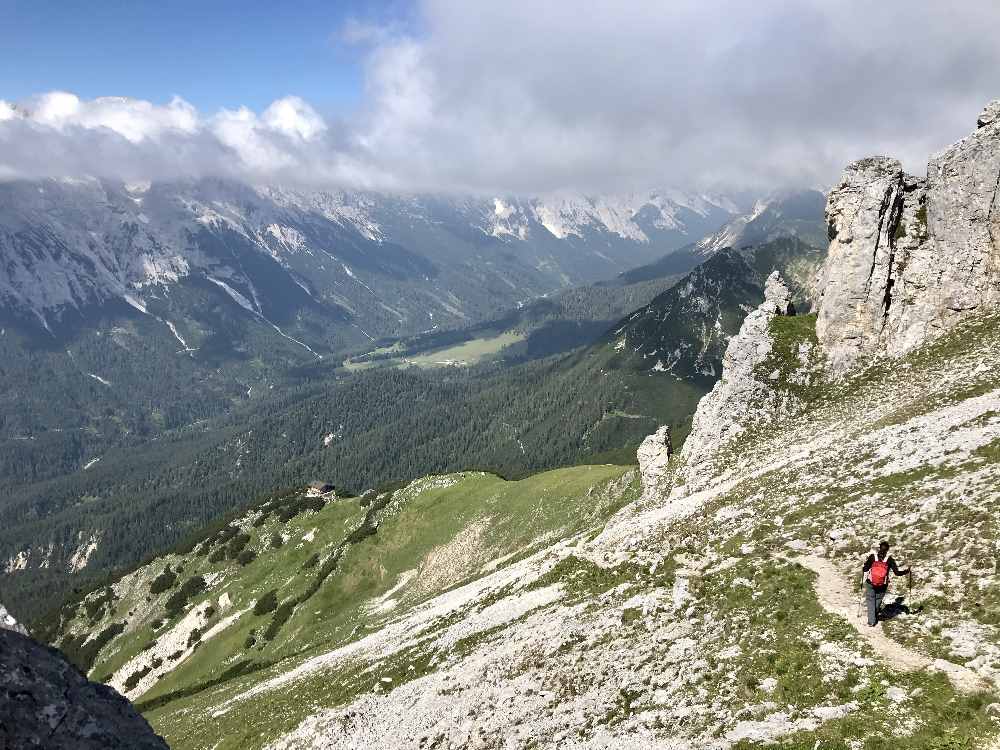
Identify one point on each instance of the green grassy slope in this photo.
(690, 619)
(343, 568)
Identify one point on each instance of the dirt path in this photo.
(838, 597)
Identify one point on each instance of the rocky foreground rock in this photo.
(46, 703)
(909, 258)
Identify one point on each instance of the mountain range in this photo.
(121, 440)
(383, 264)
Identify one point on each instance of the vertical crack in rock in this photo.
(895, 217)
(994, 254)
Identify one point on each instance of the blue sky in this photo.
(213, 54)
(491, 96)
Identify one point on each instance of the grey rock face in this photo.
(739, 398)
(654, 458)
(46, 703)
(862, 213)
(909, 258)
(989, 115)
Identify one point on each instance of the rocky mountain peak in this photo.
(909, 257)
(778, 295)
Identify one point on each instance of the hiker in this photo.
(875, 575)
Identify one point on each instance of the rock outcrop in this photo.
(989, 115)
(654, 460)
(740, 398)
(777, 295)
(46, 703)
(909, 257)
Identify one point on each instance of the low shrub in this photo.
(267, 603)
(135, 677)
(246, 557)
(162, 582)
(280, 617)
(236, 545)
(179, 599)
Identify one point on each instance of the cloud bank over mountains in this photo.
(530, 97)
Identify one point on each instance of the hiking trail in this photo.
(837, 597)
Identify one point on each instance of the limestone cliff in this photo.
(909, 257)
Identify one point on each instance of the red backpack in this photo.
(879, 573)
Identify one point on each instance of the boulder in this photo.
(989, 115)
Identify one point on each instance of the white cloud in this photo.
(132, 119)
(248, 137)
(294, 117)
(524, 96)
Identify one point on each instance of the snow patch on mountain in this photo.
(576, 215)
(288, 238)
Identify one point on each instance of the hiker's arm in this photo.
(868, 563)
(896, 570)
